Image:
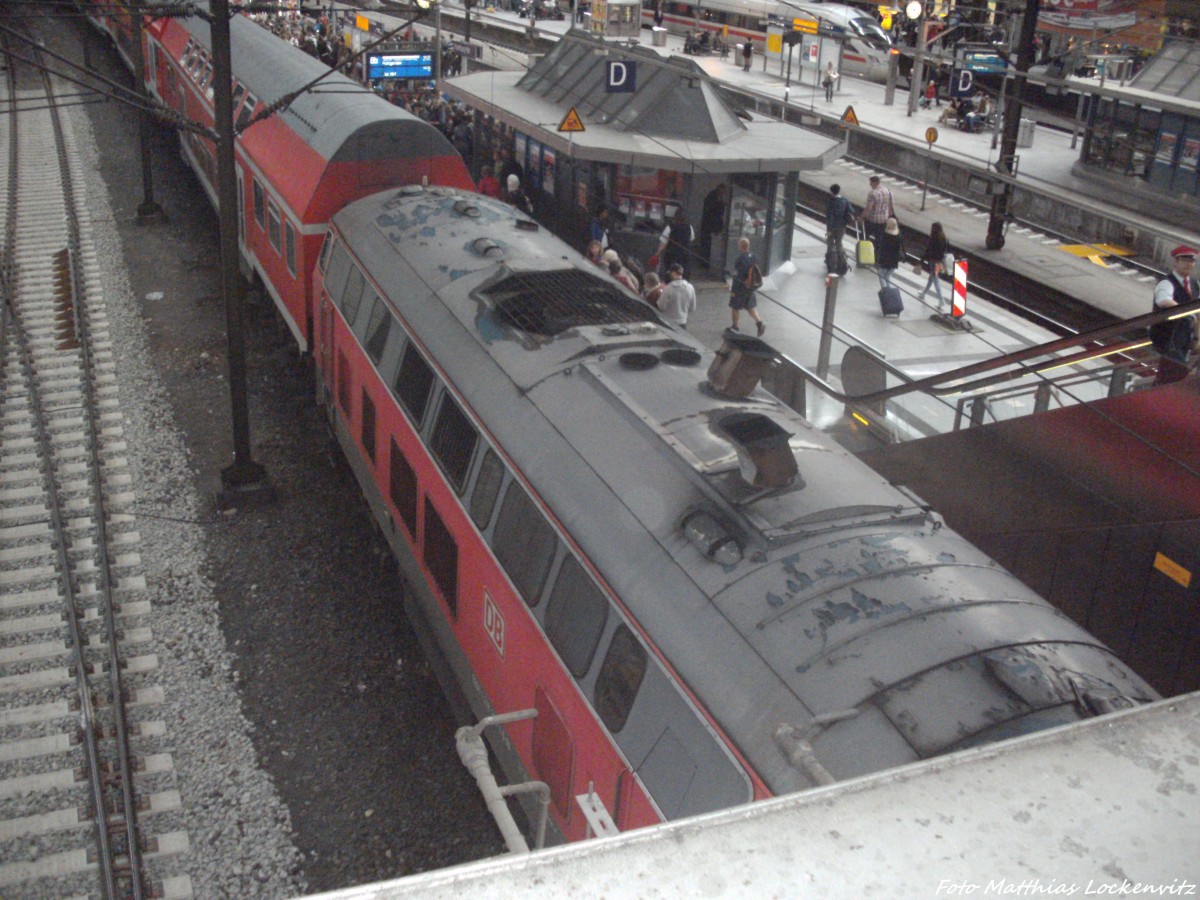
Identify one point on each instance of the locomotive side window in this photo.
(620, 676)
(413, 383)
(239, 91)
(487, 488)
(378, 328)
(368, 424)
(524, 543)
(349, 299)
(441, 556)
(247, 111)
(326, 246)
(260, 204)
(273, 232)
(352, 300)
(453, 443)
(575, 616)
(402, 487)
(289, 246)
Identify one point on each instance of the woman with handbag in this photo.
(747, 278)
(936, 248)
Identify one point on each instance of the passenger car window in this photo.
(289, 246)
(524, 543)
(247, 111)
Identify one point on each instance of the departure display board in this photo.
(399, 65)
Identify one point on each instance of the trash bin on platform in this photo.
(1025, 132)
(658, 36)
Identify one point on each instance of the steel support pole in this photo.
(244, 472)
(826, 345)
(917, 78)
(148, 211)
(1002, 201)
(437, 47)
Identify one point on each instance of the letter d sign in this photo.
(620, 76)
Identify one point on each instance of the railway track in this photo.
(81, 786)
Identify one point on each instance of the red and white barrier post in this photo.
(958, 304)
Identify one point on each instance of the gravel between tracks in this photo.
(237, 824)
(291, 608)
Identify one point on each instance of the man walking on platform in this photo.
(877, 211)
(678, 299)
(747, 52)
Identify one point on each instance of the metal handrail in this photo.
(942, 384)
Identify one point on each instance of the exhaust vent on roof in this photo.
(764, 455)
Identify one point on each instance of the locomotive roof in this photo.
(330, 114)
(850, 600)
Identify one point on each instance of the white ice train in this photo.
(865, 44)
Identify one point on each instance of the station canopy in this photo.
(674, 119)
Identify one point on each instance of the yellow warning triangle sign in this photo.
(849, 118)
(571, 121)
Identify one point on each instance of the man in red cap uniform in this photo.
(1176, 338)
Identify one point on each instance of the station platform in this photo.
(1047, 166)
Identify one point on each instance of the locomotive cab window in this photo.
(339, 270)
(351, 296)
(326, 246)
(575, 616)
(524, 543)
(453, 442)
(239, 91)
(620, 677)
(413, 383)
(378, 328)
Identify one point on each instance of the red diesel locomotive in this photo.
(704, 599)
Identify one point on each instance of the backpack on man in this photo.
(835, 257)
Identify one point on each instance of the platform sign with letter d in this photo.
(620, 76)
